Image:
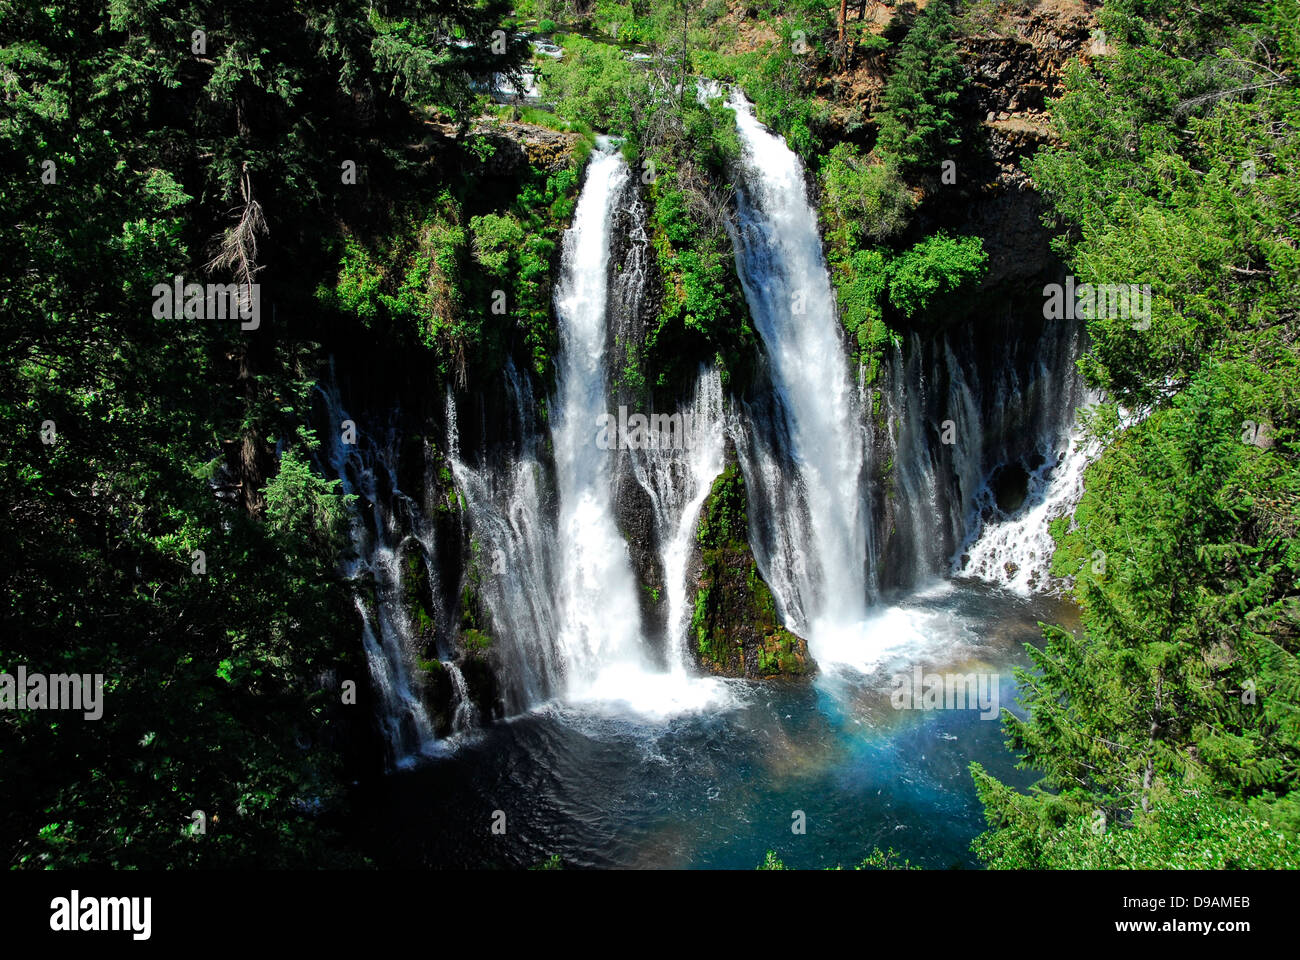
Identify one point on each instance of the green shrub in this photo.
(933, 270)
(496, 239)
(870, 199)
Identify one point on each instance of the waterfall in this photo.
(804, 448)
(562, 593)
(465, 718)
(1010, 544)
(505, 502)
(985, 451)
(599, 614)
(677, 482)
(979, 434)
(366, 470)
(953, 464)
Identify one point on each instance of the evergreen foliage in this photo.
(1172, 714)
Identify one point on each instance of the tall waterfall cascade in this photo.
(856, 493)
(952, 428)
(565, 604)
(806, 446)
(599, 623)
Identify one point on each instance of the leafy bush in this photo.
(869, 198)
(496, 239)
(594, 84)
(933, 270)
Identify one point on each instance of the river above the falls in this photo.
(603, 786)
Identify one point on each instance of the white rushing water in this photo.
(564, 598)
(807, 455)
(599, 613)
(505, 504)
(816, 549)
(386, 630)
(601, 635)
(678, 482)
(1015, 551)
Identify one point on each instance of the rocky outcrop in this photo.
(734, 629)
(634, 514)
(514, 146)
(479, 661)
(1015, 70)
(1015, 57)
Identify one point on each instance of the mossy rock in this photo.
(480, 673)
(436, 691)
(734, 628)
(417, 593)
(475, 641)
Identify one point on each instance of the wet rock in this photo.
(436, 691)
(1010, 483)
(417, 594)
(479, 670)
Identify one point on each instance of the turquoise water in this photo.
(721, 786)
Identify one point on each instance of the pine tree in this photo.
(919, 125)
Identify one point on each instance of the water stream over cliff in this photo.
(874, 512)
(805, 438)
(562, 592)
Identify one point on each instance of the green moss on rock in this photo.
(417, 592)
(734, 627)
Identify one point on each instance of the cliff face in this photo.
(1015, 56)
(516, 145)
(1014, 71)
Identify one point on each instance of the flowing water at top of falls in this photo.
(804, 451)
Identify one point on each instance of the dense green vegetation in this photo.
(1166, 731)
(164, 524)
(462, 284)
(683, 151)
